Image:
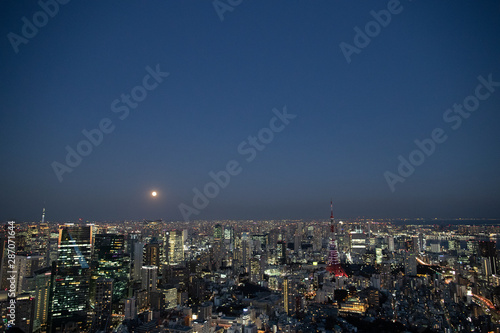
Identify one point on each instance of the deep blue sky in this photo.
(353, 120)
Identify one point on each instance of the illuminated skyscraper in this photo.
(130, 310)
(25, 312)
(217, 232)
(42, 289)
(281, 253)
(290, 293)
(71, 279)
(488, 253)
(358, 241)
(149, 281)
(111, 262)
(103, 302)
(149, 278)
(137, 260)
(229, 234)
(170, 294)
(152, 254)
(26, 266)
(175, 241)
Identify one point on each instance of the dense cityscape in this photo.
(249, 166)
(356, 275)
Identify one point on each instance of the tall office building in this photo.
(103, 303)
(217, 232)
(152, 254)
(170, 295)
(281, 253)
(229, 234)
(51, 252)
(228, 245)
(488, 253)
(390, 243)
(130, 310)
(42, 290)
(410, 264)
(71, 279)
(110, 261)
(137, 262)
(25, 312)
(435, 246)
(149, 283)
(175, 240)
(149, 280)
(26, 266)
(290, 293)
(358, 241)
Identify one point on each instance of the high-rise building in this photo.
(229, 234)
(110, 261)
(103, 303)
(390, 243)
(26, 266)
(42, 290)
(137, 260)
(205, 311)
(175, 242)
(421, 242)
(149, 279)
(358, 241)
(488, 253)
(281, 252)
(290, 293)
(453, 245)
(25, 312)
(51, 252)
(152, 254)
(435, 246)
(410, 264)
(71, 279)
(170, 295)
(130, 310)
(217, 232)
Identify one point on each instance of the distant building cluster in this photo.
(252, 276)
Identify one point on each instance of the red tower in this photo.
(334, 267)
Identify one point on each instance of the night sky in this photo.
(351, 120)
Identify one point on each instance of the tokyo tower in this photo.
(334, 266)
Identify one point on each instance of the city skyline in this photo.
(223, 276)
(390, 108)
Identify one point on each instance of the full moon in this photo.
(154, 194)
